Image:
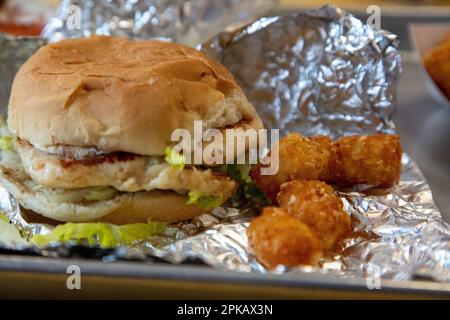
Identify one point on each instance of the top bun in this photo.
(122, 95)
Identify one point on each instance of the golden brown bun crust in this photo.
(155, 206)
(158, 206)
(119, 94)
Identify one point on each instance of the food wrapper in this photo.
(319, 72)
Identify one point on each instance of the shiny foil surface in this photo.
(188, 22)
(322, 72)
(319, 72)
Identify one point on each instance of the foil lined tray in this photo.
(319, 72)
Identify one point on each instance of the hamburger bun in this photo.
(122, 95)
(117, 101)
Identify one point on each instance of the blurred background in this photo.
(25, 17)
(28, 17)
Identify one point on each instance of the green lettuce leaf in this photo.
(204, 201)
(248, 193)
(102, 234)
(7, 143)
(4, 218)
(174, 158)
(238, 172)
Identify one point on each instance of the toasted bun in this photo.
(138, 207)
(122, 95)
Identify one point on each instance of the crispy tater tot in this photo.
(279, 239)
(315, 204)
(329, 148)
(299, 158)
(437, 63)
(373, 159)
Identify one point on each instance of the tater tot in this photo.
(279, 239)
(437, 63)
(299, 158)
(373, 159)
(315, 204)
(327, 145)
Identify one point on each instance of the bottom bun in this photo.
(153, 206)
(138, 207)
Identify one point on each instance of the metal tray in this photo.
(35, 277)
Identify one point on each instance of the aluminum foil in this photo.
(320, 72)
(323, 72)
(189, 22)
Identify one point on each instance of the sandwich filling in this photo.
(126, 172)
(99, 181)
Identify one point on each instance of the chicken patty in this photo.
(124, 171)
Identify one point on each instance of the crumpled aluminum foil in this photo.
(402, 235)
(188, 22)
(321, 72)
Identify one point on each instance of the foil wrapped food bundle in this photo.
(187, 22)
(319, 72)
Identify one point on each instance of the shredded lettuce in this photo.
(102, 234)
(238, 172)
(130, 233)
(251, 192)
(7, 143)
(248, 193)
(174, 158)
(4, 218)
(204, 201)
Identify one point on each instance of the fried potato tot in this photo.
(327, 146)
(315, 204)
(437, 63)
(279, 239)
(373, 159)
(299, 158)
